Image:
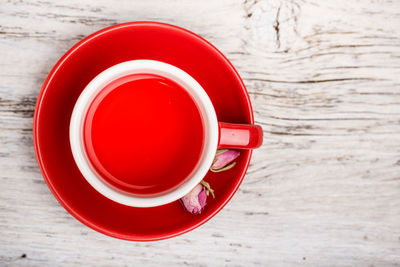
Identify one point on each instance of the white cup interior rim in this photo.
(202, 100)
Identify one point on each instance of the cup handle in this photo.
(239, 136)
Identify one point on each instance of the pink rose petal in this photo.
(224, 158)
(195, 200)
(203, 197)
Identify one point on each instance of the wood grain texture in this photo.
(324, 80)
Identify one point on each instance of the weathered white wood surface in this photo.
(324, 79)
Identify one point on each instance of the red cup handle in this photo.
(239, 136)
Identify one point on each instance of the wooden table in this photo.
(324, 80)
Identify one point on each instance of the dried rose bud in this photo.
(195, 200)
(223, 159)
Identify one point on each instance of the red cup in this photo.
(142, 154)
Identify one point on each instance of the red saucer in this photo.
(97, 52)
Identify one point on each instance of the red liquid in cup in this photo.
(144, 134)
